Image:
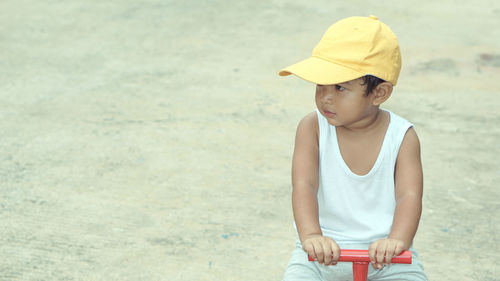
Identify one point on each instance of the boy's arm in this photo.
(305, 183)
(409, 190)
(305, 178)
(408, 193)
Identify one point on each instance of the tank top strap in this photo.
(399, 127)
(324, 129)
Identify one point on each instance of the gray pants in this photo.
(300, 268)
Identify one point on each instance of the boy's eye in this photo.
(339, 88)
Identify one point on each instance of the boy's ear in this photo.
(381, 93)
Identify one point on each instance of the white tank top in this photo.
(354, 208)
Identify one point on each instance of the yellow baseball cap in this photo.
(351, 48)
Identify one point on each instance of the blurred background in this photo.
(152, 140)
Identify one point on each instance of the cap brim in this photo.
(321, 71)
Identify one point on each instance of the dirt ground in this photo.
(152, 140)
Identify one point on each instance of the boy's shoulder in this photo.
(398, 122)
(308, 124)
(311, 117)
(403, 132)
(310, 120)
(396, 117)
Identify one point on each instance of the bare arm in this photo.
(409, 190)
(305, 178)
(305, 182)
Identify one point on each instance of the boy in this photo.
(356, 171)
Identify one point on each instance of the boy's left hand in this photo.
(384, 249)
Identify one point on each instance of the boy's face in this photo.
(345, 103)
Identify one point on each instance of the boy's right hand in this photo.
(322, 249)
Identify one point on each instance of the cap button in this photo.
(373, 17)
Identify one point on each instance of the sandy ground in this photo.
(152, 140)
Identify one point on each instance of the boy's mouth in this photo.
(329, 113)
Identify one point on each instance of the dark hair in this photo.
(371, 83)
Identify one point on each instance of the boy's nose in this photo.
(328, 98)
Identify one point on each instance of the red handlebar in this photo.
(362, 256)
(360, 260)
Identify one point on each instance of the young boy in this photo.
(356, 171)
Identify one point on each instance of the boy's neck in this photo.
(371, 122)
